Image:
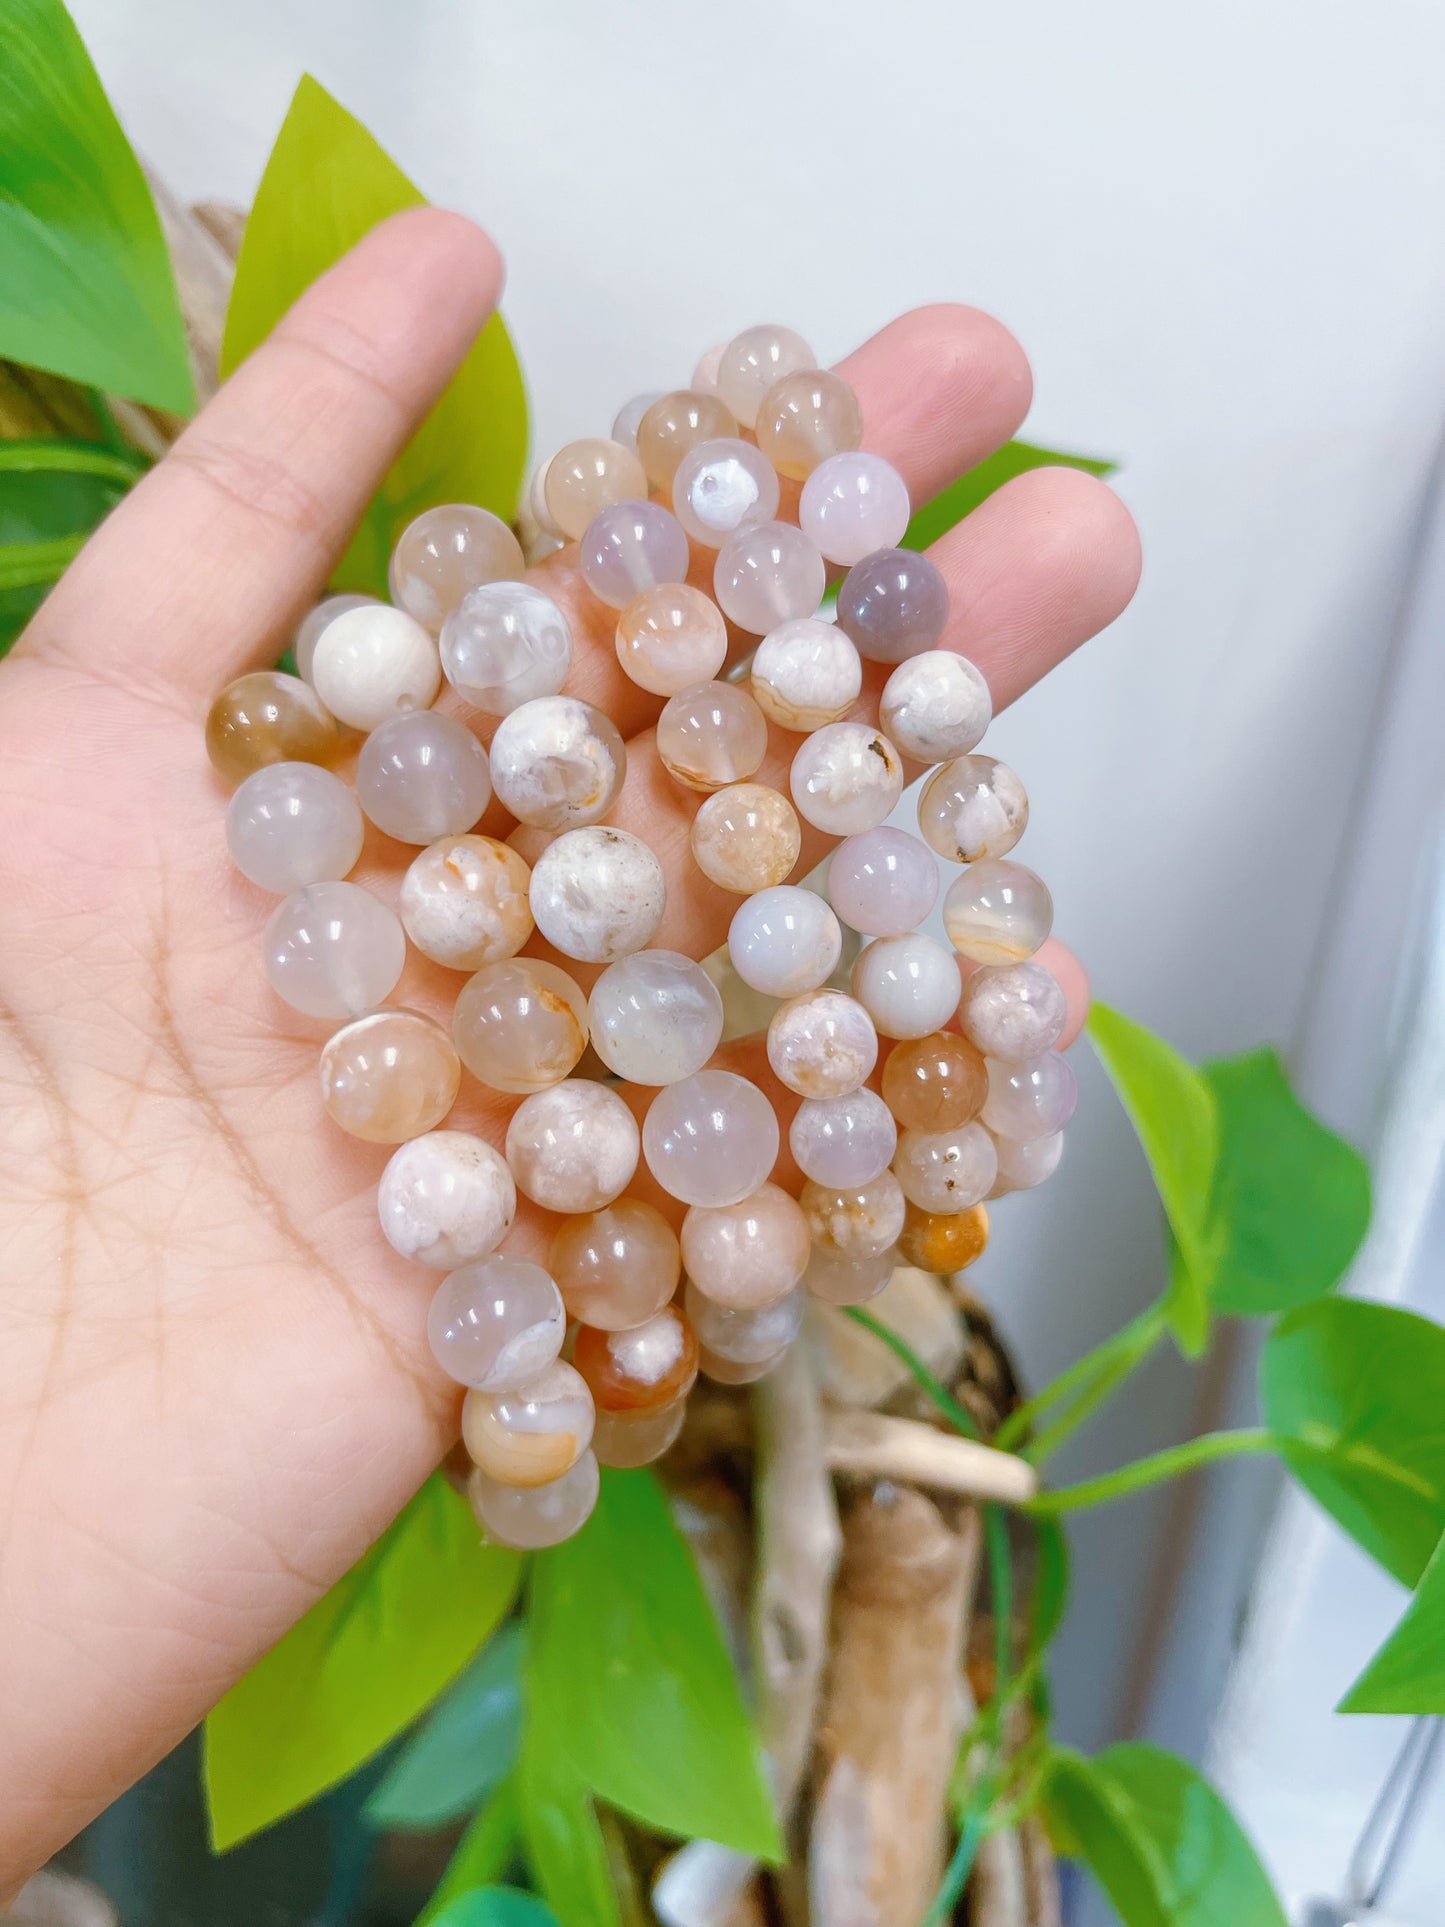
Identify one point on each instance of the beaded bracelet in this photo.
(972, 1097)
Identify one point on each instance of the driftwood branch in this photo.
(867, 1445)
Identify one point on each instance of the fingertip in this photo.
(1084, 516)
(1073, 979)
(441, 239)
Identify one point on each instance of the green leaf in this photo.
(326, 185)
(1049, 1596)
(960, 498)
(496, 1907)
(1359, 1386)
(53, 492)
(467, 1743)
(561, 1839)
(359, 1668)
(1158, 1839)
(1173, 1112)
(1407, 1675)
(86, 289)
(627, 1664)
(484, 1853)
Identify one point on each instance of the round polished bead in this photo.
(389, 1076)
(843, 1141)
(946, 1171)
(908, 985)
(597, 894)
(1013, 1011)
(882, 882)
(616, 1267)
(711, 735)
(332, 950)
(745, 1336)
(804, 418)
(446, 1199)
(935, 706)
(422, 776)
(495, 1324)
(1031, 1099)
(532, 1519)
(854, 1221)
(894, 604)
(588, 476)
(822, 1044)
(557, 763)
(520, 1025)
(308, 633)
(267, 718)
(373, 663)
(972, 808)
(784, 941)
(710, 1139)
(290, 824)
(935, 1083)
(573, 1147)
(674, 425)
(628, 418)
(846, 778)
(997, 912)
(464, 902)
(533, 1434)
(656, 1017)
(670, 637)
(724, 1371)
(722, 486)
(704, 375)
(1023, 1163)
(627, 1439)
(853, 504)
(805, 674)
(537, 501)
(767, 574)
(840, 1279)
(751, 362)
(641, 1369)
(630, 547)
(747, 1254)
(446, 552)
(504, 645)
(746, 838)
(943, 1242)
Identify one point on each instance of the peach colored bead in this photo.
(842, 1278)
(935, 1083)
(626, 1439)
(445, 552)
(746, 838)
(533, 1518)
(670, 637)
(628, 419)
(748, 1254)
(674, 425)
(943, 1243)
(711, 735)
(520, 1025)
(532, 1435)
(617, 1267)
(389, 1076)
(856, 1223)
(266, 718)
(588, 476)
(804, 418)
(574, 1146)
(464, 902)
(640, 1369)
(751, 362)
(822, 1044)
(997, 912)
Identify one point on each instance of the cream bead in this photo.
(533, 1434)
(308, 632)
(839, 1279)
(628, 419)
(616, 1267)
(627, 1439)
(946, 1171)
(573, 1147)
(882, 882)
(722, 486)
(705, 374)
(597, 894)
(422, 776)
(656, 1017)
(743, 1336)
(751, 362)
(496, 1323)
(444, 553)
(973, 807)
(822, 1044)
(1012, 1011)
(389, 1076)
(1032, 1099)
(710, 1139)
(445, 1199)
(846, 778)
(290, 824)
(784, 941)
(804, 418)
(748, 1254)
(506, 644)
(673, 426)
(711, 735)
(533, 1518)
(935, 706)
(464, 902)
(806, 674)
(997, 912)
(843, 1141)
(557, 763)
(746, 838)
(669, 638)
(853, 504)
(373, 663)
(332, 950)
(1023, 1164)
(767, 574)
(854, 1221)
(520, 1025)
(588, 476)
(908, 985)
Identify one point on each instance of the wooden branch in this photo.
(705, 1885)
(997, 1893)
(204, 272)
(855, 1369)
(1041, 1875)
(867, 1445)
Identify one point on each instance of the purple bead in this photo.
(630, 547)
(893, 604)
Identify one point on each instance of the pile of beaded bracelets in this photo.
(972, 1097)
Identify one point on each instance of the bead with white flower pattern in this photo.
(504, 645)
(557, 763)
(822, 1044)
(854, 1221)
(464, 902)
(846, 778)
(722, 486)
(1012, 1011)
(573, 1147)
(496, 1323)
(935, 706)
(805, 674)
(973, 807)
(597, 894)
(445, 1199)
(747, 1254)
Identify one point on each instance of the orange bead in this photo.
(637, 1370)
(266, 718)
(935, 1083)
(943, 1244)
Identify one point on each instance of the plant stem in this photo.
(1094, 1376)
(1156, 1468)
(957, 1416)
(1000, 1579)
(946, 1899)
(52, 455)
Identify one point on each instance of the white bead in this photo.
(597, 894)
(574, 1147)
(935, 706)
(946, 1171)
(908, 985)
(784, 940)
(656, 1017)
(805, 674)
(446, 1199)
(722, 486)
(308, 633)
(533, 1517)
(852, 504)
(846, 778)
(1031, 1099)
(372, 663)
(822, 1044)
(290, 824)
(505, 644)
(557, 763)
(422, 776)
(332, 950)
(767, 574)
(1012, 1011)
(843, 1141)
(741, 1335)
(1023, 1165)
(495, 1324)
(973, 807)
(710, 1139)
(883, 882)
(749, 364)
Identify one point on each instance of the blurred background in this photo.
(1217, 233)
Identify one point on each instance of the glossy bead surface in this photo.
(308, 632)
(946, 1171)
(882, 882)
(767, 574)
(935, 706)
(389, 1076)
(445, 1199)
(704, 375)
(504, 645)
(1023, 1163)
(784, 941)
(747, 1254)
(446, 552)
(533, 1434)
(997, 912)
(843, 1141)
(632, 1438)
(631, 547)
(804, 418)
(628, 418)
(1013, 1011)
(751, 362)
(1031, 1099)
(822, 1044)
(656, 1017)
(710, 1139)
(722, 486)
(838, 1278)
(588, 476)
(573, 1147)
(670, 637)
(557, 763)
(520, 1025)
(724, 1371)
(422, 776)
(532, 1519)
(972, 808)
(935, 1083)
(741, 1335)
(746, 838)
(372, 663)
(597, 894)
(853, 504)
(291, 824)
(464, 902)
(332, 950)
(894, 604)
(641, 1369)
(805, 674)
(854, 1221)
(908, 985)
(495, 1324)
(846, 778)
(616, 1267)
(943, 1243)
(674, 425)
(268, 718)
(711, 735)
